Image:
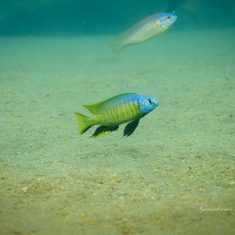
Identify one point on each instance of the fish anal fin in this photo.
(104, 130)
(130, 128)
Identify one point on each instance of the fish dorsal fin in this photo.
(94, 108)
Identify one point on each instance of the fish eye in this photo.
(168, 17)
(150, 101)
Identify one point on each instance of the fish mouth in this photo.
(156, 101)
(173, 19)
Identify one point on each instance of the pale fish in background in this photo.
(144, 30)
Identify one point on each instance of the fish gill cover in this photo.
(27, 17)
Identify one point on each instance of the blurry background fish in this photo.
(144, 30)
(104, 16)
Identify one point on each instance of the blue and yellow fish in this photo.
(144, 30)
(109, 114)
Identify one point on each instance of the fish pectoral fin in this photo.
(130, 128)
(104, 130)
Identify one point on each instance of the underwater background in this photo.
(174, 175)
(74, 17)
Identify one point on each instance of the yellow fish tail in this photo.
(83, 122)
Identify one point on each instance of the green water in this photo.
(174, 175)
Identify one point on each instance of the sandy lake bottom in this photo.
(174, 175)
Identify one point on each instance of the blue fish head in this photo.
(165, 20)
(147, 104)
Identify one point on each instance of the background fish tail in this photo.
(83, 122)
(116, 46)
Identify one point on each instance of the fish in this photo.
(144, 30)
(109, 114)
